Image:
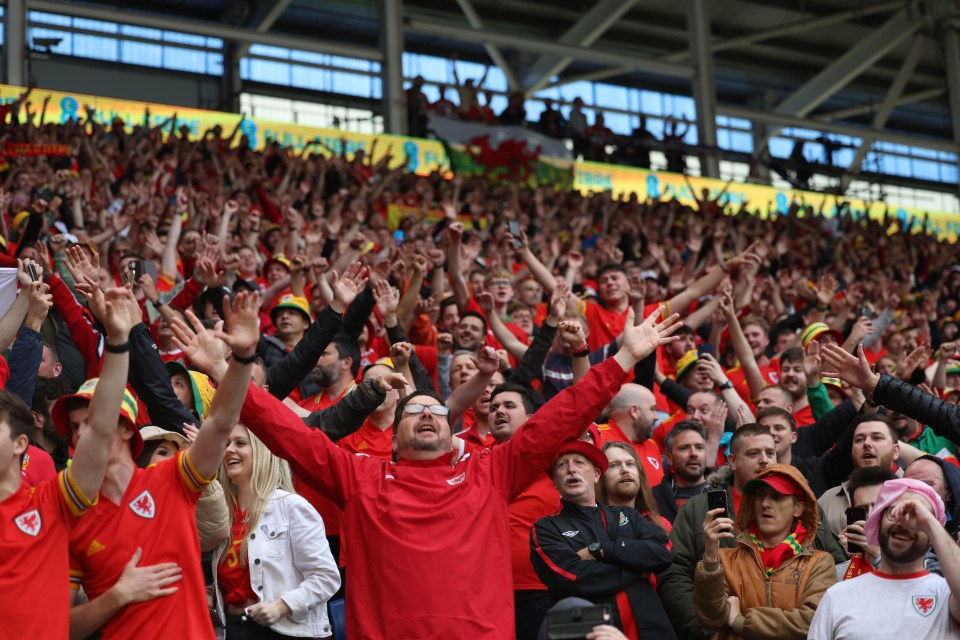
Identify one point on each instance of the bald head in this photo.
(634, 410)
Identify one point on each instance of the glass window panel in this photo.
(190, 60)
(350, 84)
(350, 63)
(780, 147)
(271, 72)
(609, 95)
(741, 142)
(214, 64)
(496, 80)
(308, 56)
(617, 122)
(307, 77)
(534, 109)
(149, 55)
(273, 52)
(95, 47)
(140, 32)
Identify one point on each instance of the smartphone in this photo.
(717, 499)
(398, 237)
(33, 272)
(575, 623)
(514, 228)
(706, 347)
(855, 514)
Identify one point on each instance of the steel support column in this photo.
(704, 85)
(584, 33)
(886, 107)
(951, 52)
(15, 43)
(391, 69)
(473, 18)
(848, 66)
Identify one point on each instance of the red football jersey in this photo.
(158, 515)
(370, 440)
(34, 533)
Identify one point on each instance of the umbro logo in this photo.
(570, 534)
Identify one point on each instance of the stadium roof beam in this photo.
(863, 109)
(630, 60)
(473, 18)
(781, 121)
(209, 29)
(265, 22)
(583, 33)
(800, 26)
(886, 107)
(848, 66)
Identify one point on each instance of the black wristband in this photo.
(159, 303)
(117, 348)
(583, 353)
(245, 360)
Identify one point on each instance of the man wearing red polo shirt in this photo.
(37, 520)
(154, 509)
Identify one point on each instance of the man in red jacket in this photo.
(418, 526)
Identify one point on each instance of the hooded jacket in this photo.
(951, 474)
(675, 585)
(781, 606)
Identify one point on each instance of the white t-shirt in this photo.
(879, 605)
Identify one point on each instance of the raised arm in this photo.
(90, 459)
(242, 335)
(467, 393)
(742, 349)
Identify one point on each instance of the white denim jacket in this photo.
(288, 558)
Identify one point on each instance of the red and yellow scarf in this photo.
(773, 558)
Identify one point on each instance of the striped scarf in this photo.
(773, 558)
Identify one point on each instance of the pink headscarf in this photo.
(889, 492)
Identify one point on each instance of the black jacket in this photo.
(150, 380)
(284, 376)
(632, 549)
(903, 397)
(666, 498)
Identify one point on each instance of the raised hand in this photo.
(638, 288)
(119, 315)
(386, 297)
(444, 343)
(826, 289)
(916, 358)
(558, 301)
(348, 286)
(243, 323)
(80, 265)
(24, 278)
(571, 334)
(201, 345)
(488, 361)
(40, 303)
(485, 300)
(643, 339)
(400, 354)
(860, 330)
(812, 363)
(854, 370)
(95, 301)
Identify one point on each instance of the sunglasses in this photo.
(437, 410)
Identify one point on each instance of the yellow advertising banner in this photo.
(427, 156)
(622, 181)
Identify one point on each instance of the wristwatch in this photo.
(595, 551)
(726, 385)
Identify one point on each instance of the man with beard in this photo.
(752, 449)
(624, 485)
(874, 445)
(597, 552)
(794, 380)
(405, 517)
(685, 451)
(901, 597)
(335, 374)
(633, 412)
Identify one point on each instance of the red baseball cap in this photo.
(584, 448)
(779, 482)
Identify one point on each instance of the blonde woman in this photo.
(275, 573)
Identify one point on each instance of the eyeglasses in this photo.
(437, 410)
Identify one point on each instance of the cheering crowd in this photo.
(246, 388)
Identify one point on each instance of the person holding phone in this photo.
(864, 487)
(770, 584)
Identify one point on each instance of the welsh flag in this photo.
(504, 154)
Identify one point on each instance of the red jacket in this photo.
(428, 544)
